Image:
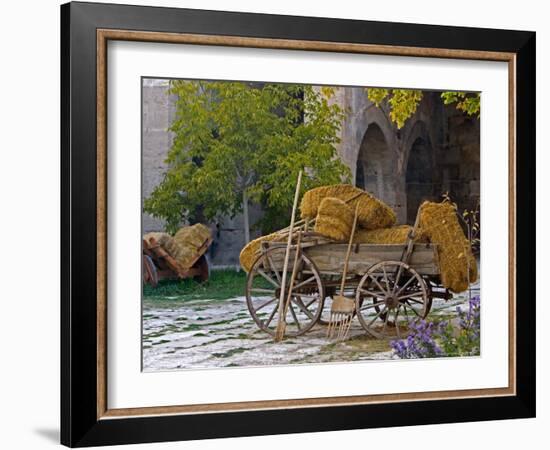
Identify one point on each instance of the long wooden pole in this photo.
(281, 308)
(281, 325)
(348, 252)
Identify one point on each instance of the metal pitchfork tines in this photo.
(342, 309)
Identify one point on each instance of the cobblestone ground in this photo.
(182, 334)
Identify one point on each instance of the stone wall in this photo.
(157, 116)
(436, 151)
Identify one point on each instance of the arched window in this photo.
(419, 178)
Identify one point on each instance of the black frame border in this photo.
(79, 423)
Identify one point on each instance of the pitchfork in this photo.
(342, 309)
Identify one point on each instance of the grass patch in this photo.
(223, 284)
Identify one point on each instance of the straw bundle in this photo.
(439, 223)
(334, 219)
(183, 247)
(159, 237)
(372, 213)
(251, 251)
(393, 235)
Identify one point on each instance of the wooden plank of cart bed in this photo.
(329, 258)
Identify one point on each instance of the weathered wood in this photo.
(330, 258)
(348, 252)
(150, 274)
(281, 324)
(168, 266)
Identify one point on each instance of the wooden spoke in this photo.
(397, 278)
(268, 278)
(396, 322)
(311, 302)
(262, 290)
(263, 305)
(293, 314)
(378, 284)
(275, 271)
(298, 302)
(405, 312)
(270, 318)
(373, 293)
(310, 279)
(411, 299)
(404, 286)
(413, 310)
(411, 296)
(386, 321)
(370, 305)
(378, 315)
(386, 278)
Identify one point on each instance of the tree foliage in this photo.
(237, 142)
(402, 103)
(467, 102)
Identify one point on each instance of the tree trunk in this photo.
(246, 223)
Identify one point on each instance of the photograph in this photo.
(282, 221)
(292, 224)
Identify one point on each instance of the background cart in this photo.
(159, 265)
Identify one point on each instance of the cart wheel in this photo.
(263, 289)
(150, 274)
(204, 269)
(389, 297)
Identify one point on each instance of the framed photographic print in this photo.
(276, 224)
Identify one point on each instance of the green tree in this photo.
(402, 103)
(470, 103)
(239, 143)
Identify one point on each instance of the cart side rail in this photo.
(329, 257)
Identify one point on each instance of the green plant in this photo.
(464, 340)
(465, 101)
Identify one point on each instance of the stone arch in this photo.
(419, 179)
(419, 129)
(376, 163)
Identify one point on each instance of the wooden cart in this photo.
(158, 264)
(392, 284)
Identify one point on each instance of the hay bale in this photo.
(186, 242)
(440, 224)
(193, 236)
(334, 219)
(393, 235)
(372, 213)
(251, 251)
(159, 237)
